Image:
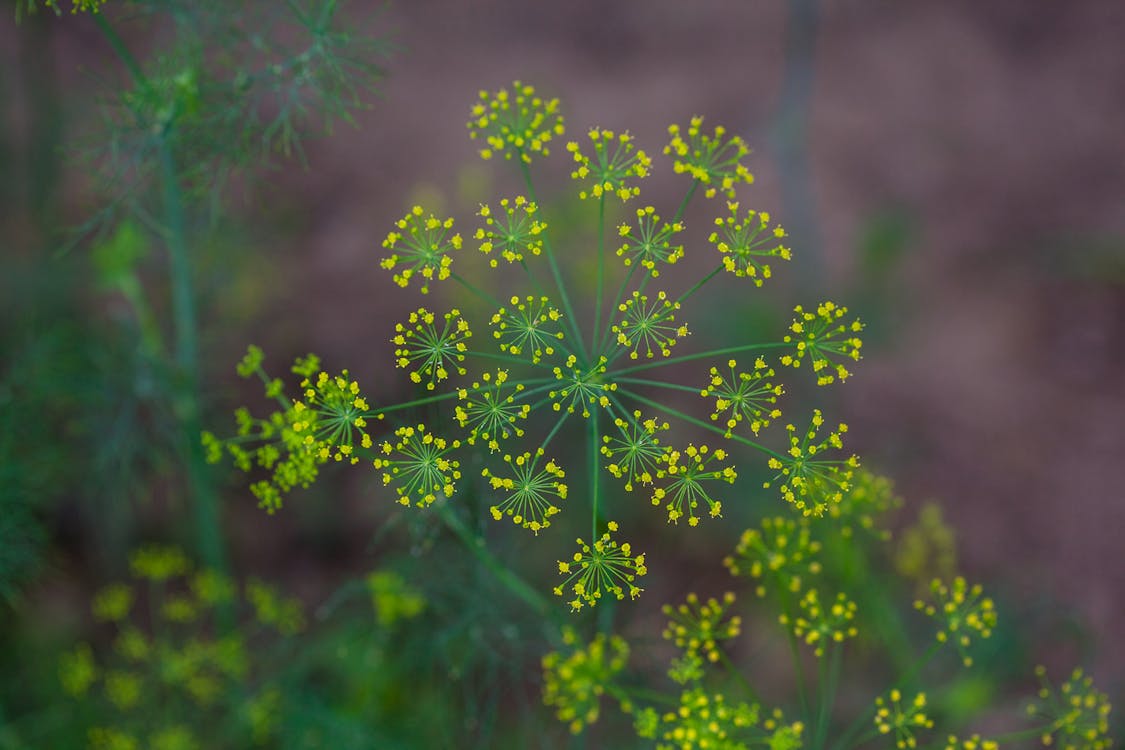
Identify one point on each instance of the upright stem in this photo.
(595, 440)
(601, 277)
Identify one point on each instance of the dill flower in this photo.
(575, 683)
(970, 743)
(714, 160)
(107, 738)
(283, 614)
(648, 327)
(811, 484)
(903, 720)
(868, 497)
(77, 670)
(782, 551)
(634, 455)
(963, 613)
(418, 466)
(212, 588)
(393, 599)
(823, 336)
(745, 396)
(158, 563)
(580, 387)
(614, 165)
(112, 604)
(437, 352)
(697, 628)
(490, 411)
(331, 417)
(819, 623)
(601, 568)
(530, 325)
(1078, 714)
(176, 737)
(123, 689)
(747, 245)
(77, 6)
(420, 246)
(705, 720)
(687, 470)
(516, 123)
(648, 245)
(529, 502)
(512, 231)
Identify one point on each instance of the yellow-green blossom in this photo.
(513, 232)
(421, 246)
(434, 353)
(529, 327)
(823, 337)
(1077, 714)
(605, 567)
(705, 721)
(812, 484)
(744, 396)
(581, 387)
(615, 164)
(489, 411)
(963, 612)
(112, 604)
(903, 719)
(781, 553)
(748, 244)
(636, 454)
(575, 682)
(158, 563)
(646, 327)
(819, 624)
(686, 471)
(697, 628)
(529, 495)
(715, 160)
(516, 123)
(77, 670)
(418, 466)
(648, 245)
(393, 598)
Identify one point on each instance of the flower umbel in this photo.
(781, 553)
(812, 484)
(822, 336)
(516, 123)
(529, 327)
(575, 683)
(434, 352)
(513, 231)
(687, 470)
(714, 160)
(747, 245)
(1078, 714)
(530, 493)
(418, 466)
(635, 454)
(615, 164)
(650, 328)
(648, 245)
(963, 612)
(605, 567)
(903, 720)
(820, 624)
(697, 628)
(420, 246)
(580, 387)
(490, 411)
(745, 396)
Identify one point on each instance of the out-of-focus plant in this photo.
(216, 92)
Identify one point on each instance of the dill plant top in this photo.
(515, 378)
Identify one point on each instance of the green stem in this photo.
(594, 334)
(603, 347)
(554, 431)
(120, 49)
(798, 668)
(687, 199)
(504, 358)
(479, 550)
(700, 423)
(830, 675)
(567, 308)
(698, 285)
(595, 443)
(659, 384)
(474, 290)
(737, 674)
(701, 355)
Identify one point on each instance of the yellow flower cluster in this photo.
(973, 742)
(744, 396)
(420, 342)
(421, 246)
(903, 720)
(648, 327)
(1077, 714)
(686, 471)
(697, 628)
(512, 231)
(393, 599)
(516, 123)
(525, 327)
(963, 611)
(809, 483)
(635, 454)
(819, 335)
(714, 160)
(615, 164)
(781, 553)
(417, 464)
(490, 411)
(581, 387)
(330, 416)
(605, 567)
(705, 720)
(575, 683)
(648, 245)
(528, 502)
(743, 242)
(820, 624)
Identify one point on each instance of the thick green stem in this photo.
(687, 199)
(594, 334)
